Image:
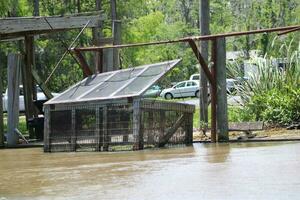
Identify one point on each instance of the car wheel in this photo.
(197, 94)
(168, 96)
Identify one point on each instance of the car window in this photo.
(38, 89)
(196, 77)
(180, 85)
(190, 83)
(21, 91)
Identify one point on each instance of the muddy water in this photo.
(203, 171)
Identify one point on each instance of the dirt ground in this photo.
(274, 133)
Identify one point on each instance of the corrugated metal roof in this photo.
(129, 82)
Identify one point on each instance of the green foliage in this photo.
(272, 95)
(281, 107)
(153, 20)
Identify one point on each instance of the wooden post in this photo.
(1, 108)
(162, 124)
(213, 93)
(188, 117)
(13, 75)
(96, 40)
(117, 41)
(222, 118)
(137, 131)
(105, 129)
(110, 57)
(74, 131)
(97, 131)
(47, 127)
(28, 84)
(204, 30)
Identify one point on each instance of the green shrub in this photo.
(273, 94)
(278, 107)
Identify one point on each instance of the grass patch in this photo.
(235, 114)
(22, 124)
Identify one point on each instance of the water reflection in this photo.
(217, 153)
(207, 171)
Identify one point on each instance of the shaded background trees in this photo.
(151, 20)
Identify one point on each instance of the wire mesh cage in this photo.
(142, 123)
(107, 112)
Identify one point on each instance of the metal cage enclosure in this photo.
(107, 112)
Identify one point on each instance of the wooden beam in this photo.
(28, 24)
(83, 63)
(187, 39)
(222, 118)
(171, 131)
(201, 60)
(39, 81)
(28, 83)
(1, 108)
(13, 76)
(213, 93)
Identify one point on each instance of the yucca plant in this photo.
(273, 94)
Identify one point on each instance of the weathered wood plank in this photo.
(16, 25)
(1, 109)
(39, 81)
(28, 84)
(246, 126)
(222, 116)
(171, 131)
(13, 75)
(83, 64)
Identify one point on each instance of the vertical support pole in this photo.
(105, 129)
(13, 75)
(213, 92)
(204, 9)
(137, 131)
(1, 108)
(101, 61)
(96, 40)
(108, 60)
(117, 40)
(73, 133)
(28, 84)
(222, 118)
(151, 127)
(188, 117)
(97, 133)
(47, 131)
(162, 124)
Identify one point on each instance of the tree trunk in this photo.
(96, 38)
(204, 30)
(78, 6)
(113, 5)
(36, 8)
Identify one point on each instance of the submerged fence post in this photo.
(73, 131)
(137, 130)
(105, 129)
(222, 118)
(13, 75)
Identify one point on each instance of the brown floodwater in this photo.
(201, 171)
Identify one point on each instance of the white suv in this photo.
(40, 96)
(182, 89)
